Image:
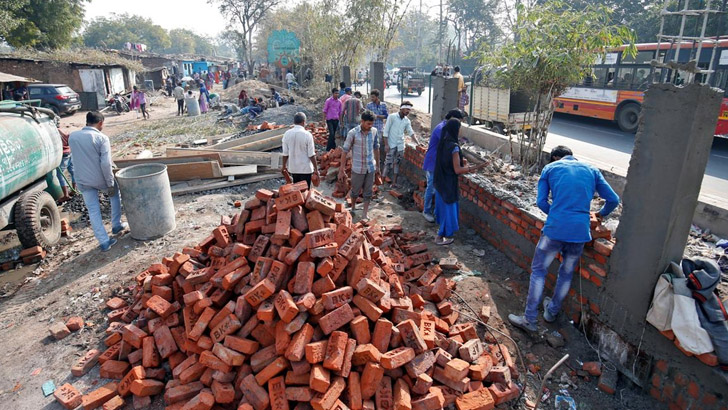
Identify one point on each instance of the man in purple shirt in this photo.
(332, 111)
(429, 163)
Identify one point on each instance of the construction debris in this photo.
(288, 303)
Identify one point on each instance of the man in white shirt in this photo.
(92, 168)
(396, 128)
(299, 154)
(290, 79)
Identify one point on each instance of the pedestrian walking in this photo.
(139, 100)
(290, 80)
(179, 94)
(332, 113)
(571, 185)
(346, 95)
(379, 109)
(398, 126)
(91, 151)
(428, 165)
(363, 143)
(350, 113)
(449, 164)
(299, 152)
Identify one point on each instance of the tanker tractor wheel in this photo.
(37, 220)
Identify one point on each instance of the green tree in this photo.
(121, 28)
(184, 41)
(553, 47)
(8, 15)
(416, 44)
(42, 24)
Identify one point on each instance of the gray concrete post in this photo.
(663, 182)
(376, 77)
(346, 75)
(444, 98)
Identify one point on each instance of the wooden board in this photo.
(123, 163)
(223, 184)
(239, 170)
(250, 138)
(270, 159)
(261, 145)
(193, 170)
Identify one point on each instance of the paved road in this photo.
(606, 146)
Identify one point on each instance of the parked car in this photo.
(58, 97)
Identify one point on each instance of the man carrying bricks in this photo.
(363, 142)
(92, 163)
(429, 164)
(572, 185)
(299, 152)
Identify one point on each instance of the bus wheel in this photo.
(628, 117)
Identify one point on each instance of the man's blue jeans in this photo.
(546, 252)
(430, 193)
(91, 199)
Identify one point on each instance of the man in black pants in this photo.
(332, 112)
(299, 154)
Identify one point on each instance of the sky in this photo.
(197, 15)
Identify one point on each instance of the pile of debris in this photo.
(329, 165)
(289, 303)
(226, 162)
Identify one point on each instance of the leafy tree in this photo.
(553, 47)
(243, 17)
(416, 44)
(42, 24)
(8, 15)
(393, 13)
(121, 28)
(184, 41)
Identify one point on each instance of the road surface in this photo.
(603, 144)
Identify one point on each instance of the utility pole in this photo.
(419, 37)
(440, 35)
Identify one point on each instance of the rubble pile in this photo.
(288, 303)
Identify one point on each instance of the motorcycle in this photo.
(118, 103)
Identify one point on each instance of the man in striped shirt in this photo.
(363, 142)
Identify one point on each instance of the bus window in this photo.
(600, 77)
(647, 80)
(625, 78)
(610, 78)
(643, 57)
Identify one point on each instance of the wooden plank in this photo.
(250, 138)
(224, 184)
(193, 170)
(232, 157)
(123, 163)
(239, 170)
(261, 145)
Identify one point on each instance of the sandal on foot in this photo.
(444, 241)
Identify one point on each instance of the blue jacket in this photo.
(572, 185)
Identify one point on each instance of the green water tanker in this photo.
(30, 151)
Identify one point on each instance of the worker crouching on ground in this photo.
(572, 185)
(91, 151)
(363, 142)
(449, 164)
(299, 152)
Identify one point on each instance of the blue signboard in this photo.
(283, 48)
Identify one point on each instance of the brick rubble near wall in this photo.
(515, 232)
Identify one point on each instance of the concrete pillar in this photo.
(346, 75)
(663, 182)
(444, 98)
(376, 77)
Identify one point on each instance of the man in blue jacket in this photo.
(571, 184)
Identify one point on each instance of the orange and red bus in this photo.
(615, 89)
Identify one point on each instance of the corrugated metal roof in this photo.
(9, 78)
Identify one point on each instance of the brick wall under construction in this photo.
(672, 380)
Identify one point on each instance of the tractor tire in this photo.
(37, 220)
(628, 117)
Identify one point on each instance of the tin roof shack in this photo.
(92, 81)
(158, 77)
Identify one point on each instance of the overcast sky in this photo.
(196, 15)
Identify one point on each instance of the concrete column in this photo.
(376, 77)
(663, 182)
(346, 75)
(444, 98)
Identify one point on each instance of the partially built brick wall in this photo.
(515, 232)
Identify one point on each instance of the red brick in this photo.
(432, 401)
(146, 387)
(285, 306)
(182, 392)
(335, 350)
(86, 363)
(260, 292)
(336, 319)
(304, 278)
(360, 329)
(203, 401)
(67, 396)
(74, 323)
(320, 379)
(316, 351)
(223, 392)
(478, 400)
(277, 393)
(59, 330)
(115, 403)
(411, 336)
(397, 357)
(113, 369)
(382, 335)
(165, 342)
(296, 350)
(370, 379)
(99, 396)
(227, 355)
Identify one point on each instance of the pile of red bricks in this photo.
(320, 133)
(290, 304)
(332, 159)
